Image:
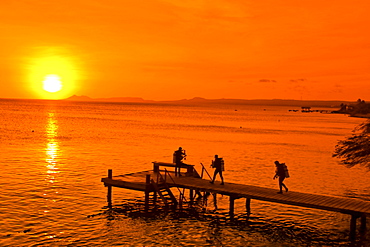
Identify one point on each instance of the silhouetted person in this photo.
(218, 164)
(282, 173)
(178, 156)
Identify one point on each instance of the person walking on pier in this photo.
(281, 173)
(178, 156)
(218, 163)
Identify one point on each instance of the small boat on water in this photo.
(306, 109)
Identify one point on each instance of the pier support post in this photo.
(248, 206)
(363, 227)
(147, 185)
(231, 207)
(154, 198)
(214, 200)
(191, 195)
(155, 167)
(352, 230)
(109, 193)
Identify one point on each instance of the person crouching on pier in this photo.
(282, 173)
(218, 163)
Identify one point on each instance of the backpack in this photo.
(286, 170)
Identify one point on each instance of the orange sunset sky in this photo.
(175, 49)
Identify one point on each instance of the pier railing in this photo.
(204, 170)
(189, 168)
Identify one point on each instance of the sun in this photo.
(52, 73)
(52, 83)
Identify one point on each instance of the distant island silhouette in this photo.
(358, 109)
(199, 100)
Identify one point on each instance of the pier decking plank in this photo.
(143, 181)
(331, 203)
(345, 205)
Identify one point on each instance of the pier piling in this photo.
(109, 193)
(352, 227)
(191, 195)
(248, 206)
(231, 207)
(147, 191)
(363, 227)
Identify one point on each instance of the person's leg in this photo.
(222, 177)
(282, 183)
(177, 169)
(214, 176)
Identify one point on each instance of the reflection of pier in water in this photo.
(158, 183)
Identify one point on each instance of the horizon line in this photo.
(140, 99)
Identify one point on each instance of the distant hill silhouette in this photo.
(79, 98)
(200, 101)
(114, 99)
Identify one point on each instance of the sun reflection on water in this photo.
(52, 147)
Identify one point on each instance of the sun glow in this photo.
(53, 74)
(52, 83)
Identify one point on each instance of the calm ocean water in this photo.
(54, 153)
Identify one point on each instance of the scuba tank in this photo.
(286, 170)
(222, 164)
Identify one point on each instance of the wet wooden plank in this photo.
(124, 184)
(331, 203)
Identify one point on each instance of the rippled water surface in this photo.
(54, 153)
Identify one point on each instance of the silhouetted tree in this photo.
(355, 150)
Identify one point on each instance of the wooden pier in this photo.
(160, 181)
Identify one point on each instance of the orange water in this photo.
(54, 153)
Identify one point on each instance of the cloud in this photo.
(338, 88)
(267, 81)
(298, 80)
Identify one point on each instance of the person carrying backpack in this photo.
(218, 164)
(281, 173)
